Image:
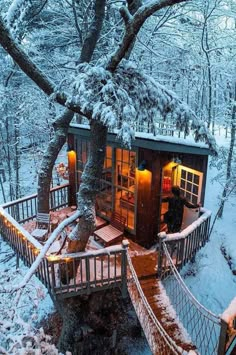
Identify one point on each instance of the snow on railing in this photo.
(25, 208)
(229, 316)
(183, 246)
(68, 274)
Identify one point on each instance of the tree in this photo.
(132, 26)
(105, 94)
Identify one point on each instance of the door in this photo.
(190, 183)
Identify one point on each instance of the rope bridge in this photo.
(158, 339)
(203, 326)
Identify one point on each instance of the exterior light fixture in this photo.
(142, 166)
(176, 160)
(69, 148)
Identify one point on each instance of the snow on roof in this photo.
(188, 141)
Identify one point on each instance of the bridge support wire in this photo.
(159, 341)
(203, 326)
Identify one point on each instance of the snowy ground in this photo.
(20, 316)
(212, 282)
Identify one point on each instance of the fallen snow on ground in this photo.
(21, 312)
(210, 278)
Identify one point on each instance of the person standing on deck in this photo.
(174, 216)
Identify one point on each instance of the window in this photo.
(190, 182)
(117, 188)
(125, 186)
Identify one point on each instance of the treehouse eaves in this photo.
(150, 141)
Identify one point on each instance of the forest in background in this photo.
(188, 48)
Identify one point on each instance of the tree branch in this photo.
(133, 27)
(76, 22)
(94, 32)
(33, 72)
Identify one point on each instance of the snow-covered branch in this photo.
(33, 71)
(16, 13)
(134, 24)
(46, 247)
(127, 97)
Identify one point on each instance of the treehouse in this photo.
(134, 181)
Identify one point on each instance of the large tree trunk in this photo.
(89, 187)
(49, 158)
(101, 323)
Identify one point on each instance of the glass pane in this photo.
(188, 196)
(194, 200)
(125, 169)
(183, 174)
(118, 154)
(195, 190)
(126, 156)
(196, 179)
(190, 177)
(125, 203)
(132, 164)
(109, 152)
(182, 184)
(104, 200)
(189, 187)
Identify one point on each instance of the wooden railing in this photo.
(25, 209)
(69, 274)
(183, 246)
(87, 272)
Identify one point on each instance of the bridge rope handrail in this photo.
(169, 341)
(206, 312)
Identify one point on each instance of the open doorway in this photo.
(190, 183)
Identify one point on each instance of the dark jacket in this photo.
(176, 211)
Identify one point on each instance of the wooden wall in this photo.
(149, 203)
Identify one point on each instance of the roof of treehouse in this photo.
(162, 137)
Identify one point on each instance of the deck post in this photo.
(161, 237)
(124, 291)
(87, 264)
(222, 338)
